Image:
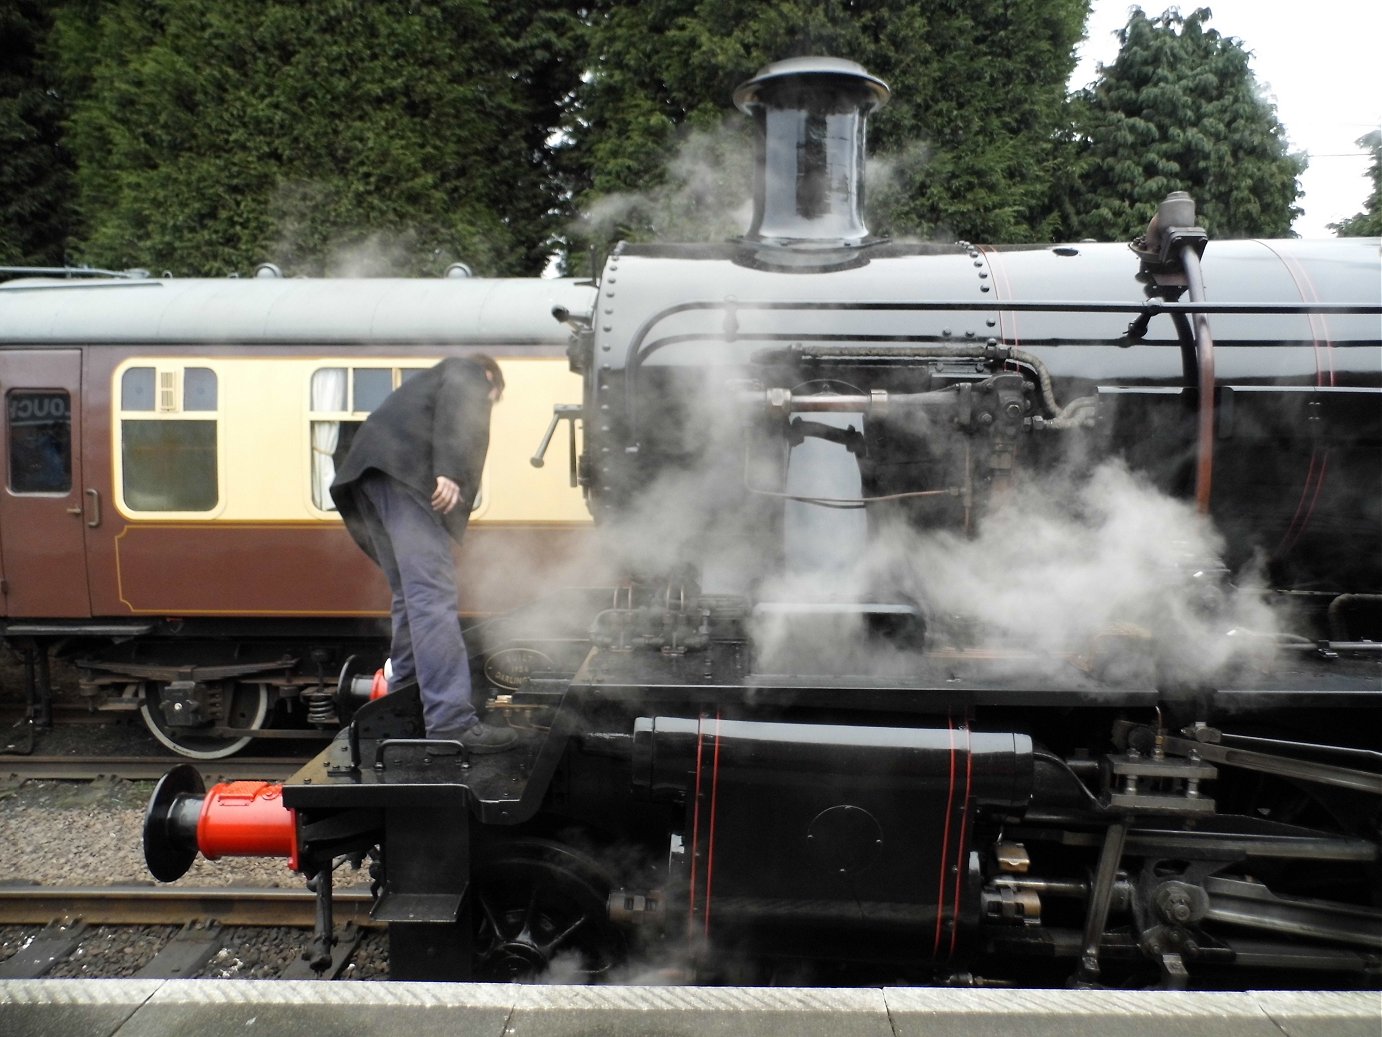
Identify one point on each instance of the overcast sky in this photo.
(1317, 61)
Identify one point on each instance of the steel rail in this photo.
(145, 768)
(65, 714)
(161, 905)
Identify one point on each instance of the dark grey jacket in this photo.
(435, 423)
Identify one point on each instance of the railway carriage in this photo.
(169, 445)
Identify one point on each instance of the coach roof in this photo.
(303, 311)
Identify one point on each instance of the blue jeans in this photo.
(414, 550)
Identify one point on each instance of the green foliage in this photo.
(35, 171)
(1367, 223)
(969, 141)
(1179, 110)
(342, 136)
(399, 135)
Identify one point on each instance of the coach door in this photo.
(44, 507)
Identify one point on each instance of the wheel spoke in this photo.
(530, 912)
(490, 916)
(551, 946)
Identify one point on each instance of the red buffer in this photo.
(233, 819)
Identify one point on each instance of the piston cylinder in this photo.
(998, 764)
(854, 836)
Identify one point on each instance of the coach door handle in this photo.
(80, 509)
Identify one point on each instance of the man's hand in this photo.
(446, 496)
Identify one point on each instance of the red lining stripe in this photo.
(1314, 480)
(696, 820)
(945, 843)
(1324, 375)
(960, 850)
(1002, 289)
(714, 800)
(1319, 322)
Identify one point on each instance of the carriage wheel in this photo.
(248, 707)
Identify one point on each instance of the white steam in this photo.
(1091, 568)
(1060, 566)
(891, 187)
(301, 210)
(1101, 570)
(704, 193)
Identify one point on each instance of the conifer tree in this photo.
(967, 147)
(342, 136)
(1367, 223)
(35, 170)
(1180, 110)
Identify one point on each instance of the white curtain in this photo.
(328, 394)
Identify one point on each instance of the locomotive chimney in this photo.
(809, 116)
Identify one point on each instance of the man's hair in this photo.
(492, 370)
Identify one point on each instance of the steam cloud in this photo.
(1060, 565)
(301, 212)
(1095, 566)
(705, 191)
(703, 195)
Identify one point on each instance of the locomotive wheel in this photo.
(541, 912)
(248, 707)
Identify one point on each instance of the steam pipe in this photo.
(639, 348)
(1076, 888)
(875, 402)
(799, 354)
(1204, 352)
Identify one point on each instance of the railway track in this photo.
(201, 925)
(65, 714)
(160, 905)
(143, 768)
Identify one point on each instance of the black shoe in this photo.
(482, 738)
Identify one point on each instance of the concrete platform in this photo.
(222, 1008)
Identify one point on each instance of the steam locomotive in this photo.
(986, 616)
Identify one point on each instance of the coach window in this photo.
(168, 438)
(342, 397)
(39, 427)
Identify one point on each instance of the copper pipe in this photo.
(1204, 353)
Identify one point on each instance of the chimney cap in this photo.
(747, 94)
